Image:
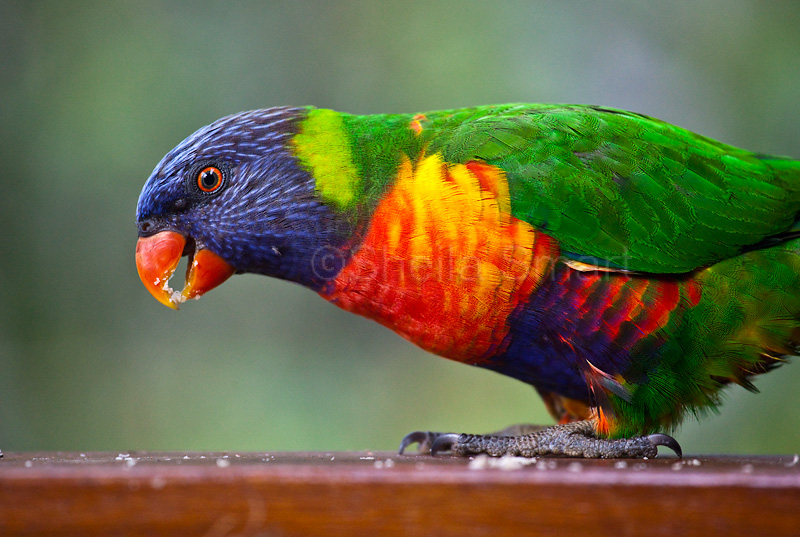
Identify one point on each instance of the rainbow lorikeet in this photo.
(626, 268)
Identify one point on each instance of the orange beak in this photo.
(157, 257)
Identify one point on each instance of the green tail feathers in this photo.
(746, 323)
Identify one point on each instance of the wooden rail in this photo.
(365, 494)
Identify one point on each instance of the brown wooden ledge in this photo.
(364, 494)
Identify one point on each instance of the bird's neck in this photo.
(354, 159)
(356, 163)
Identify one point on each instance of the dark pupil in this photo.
(209, 179)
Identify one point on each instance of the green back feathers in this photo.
(628, 189)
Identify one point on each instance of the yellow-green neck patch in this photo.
(322, 145)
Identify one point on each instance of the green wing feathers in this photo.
(624, 189)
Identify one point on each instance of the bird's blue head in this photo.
(235, 199)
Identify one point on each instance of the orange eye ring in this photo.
(209, 179)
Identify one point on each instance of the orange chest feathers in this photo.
(444, 263)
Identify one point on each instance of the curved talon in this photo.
(444, 442)
(423, 438)
(666, 440)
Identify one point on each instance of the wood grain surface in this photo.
(364, 493)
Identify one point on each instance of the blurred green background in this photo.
(94, 94)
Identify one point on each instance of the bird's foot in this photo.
(576, 439)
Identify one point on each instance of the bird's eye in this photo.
(209, 179)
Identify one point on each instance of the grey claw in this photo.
(666, 440)
(418, 437)
(445, 442)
